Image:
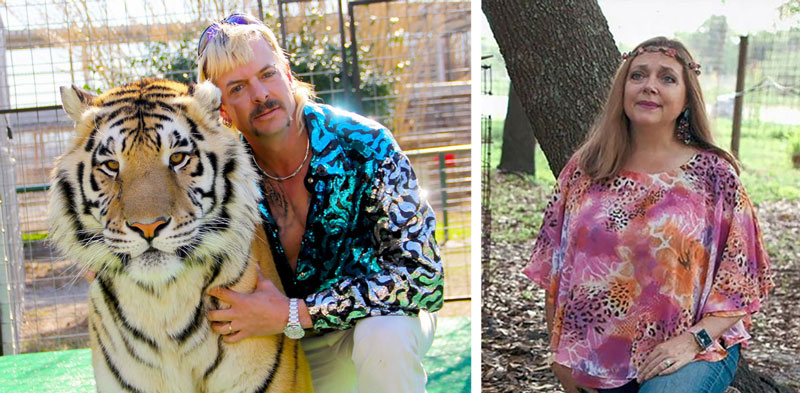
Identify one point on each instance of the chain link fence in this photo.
(403, 63)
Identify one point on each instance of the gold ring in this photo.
(230, 328)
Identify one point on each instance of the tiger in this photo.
(160, 200)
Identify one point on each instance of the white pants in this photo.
(379, 355)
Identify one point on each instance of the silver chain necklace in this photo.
(296, 171)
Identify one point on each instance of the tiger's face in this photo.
(152, 182)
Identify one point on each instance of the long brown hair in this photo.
(609, 143)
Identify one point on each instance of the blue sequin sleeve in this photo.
(409, 274)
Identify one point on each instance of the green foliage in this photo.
(789, 8)
(713, 45)
(794, 144)
(174, 60)
(319, 62)
(543, 173)
(315, 57)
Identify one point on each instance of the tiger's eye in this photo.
(112, 165)
(177, 158)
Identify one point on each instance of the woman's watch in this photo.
(702, 337)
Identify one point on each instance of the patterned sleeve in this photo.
(545, 258)
(410, 274)
(743, 275)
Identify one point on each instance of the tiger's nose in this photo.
(148, 231)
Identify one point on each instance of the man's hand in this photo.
(564, 375)
(668, 357)
(261, 313)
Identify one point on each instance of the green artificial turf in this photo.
(447, 364)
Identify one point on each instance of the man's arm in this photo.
(410, 275)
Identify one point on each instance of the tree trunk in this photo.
(749, 381)
(519, 144)
(561, 57)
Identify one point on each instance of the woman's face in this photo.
(655, 93)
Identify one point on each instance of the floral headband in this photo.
(671, 52)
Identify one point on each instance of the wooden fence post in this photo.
(739, 99)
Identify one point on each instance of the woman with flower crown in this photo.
(650, 251)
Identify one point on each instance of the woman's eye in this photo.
(637, 75)
(669, 79)
(177, 158)
(112, 165)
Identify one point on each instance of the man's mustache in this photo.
(269, 104)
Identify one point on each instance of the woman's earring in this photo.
(226, 123)
(682, 130)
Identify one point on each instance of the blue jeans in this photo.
(695, 377)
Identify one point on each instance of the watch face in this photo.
(294, 332)
(703, 338)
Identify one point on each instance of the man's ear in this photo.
(224, 114)
(75, 101)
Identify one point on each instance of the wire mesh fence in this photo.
(770, 116)
(772, 86)
(403, 63)
(486, 165)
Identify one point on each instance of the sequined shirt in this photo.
(368, 248)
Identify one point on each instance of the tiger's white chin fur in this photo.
(155, 267)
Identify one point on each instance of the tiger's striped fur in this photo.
(160, 200)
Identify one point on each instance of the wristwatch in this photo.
(293, 328)
(702, 338)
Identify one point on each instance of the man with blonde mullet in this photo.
(352, 238)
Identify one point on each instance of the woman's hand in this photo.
(564, 375)
(668, 357)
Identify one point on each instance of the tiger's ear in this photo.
(207, 95)
(75, 101)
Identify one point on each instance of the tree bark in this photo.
(749, 381)
(519, 143)
(561, 57)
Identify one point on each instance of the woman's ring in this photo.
(230, 328)
(667, 363)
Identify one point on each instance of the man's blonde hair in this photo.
(230, 48)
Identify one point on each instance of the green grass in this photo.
(542, 167)
(517, 208)
(764, 148)
(767, 171)
(520, 202)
